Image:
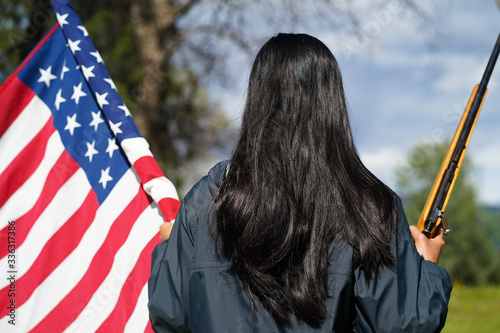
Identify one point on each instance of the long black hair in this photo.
(296, 181)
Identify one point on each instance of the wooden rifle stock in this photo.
(432, 215)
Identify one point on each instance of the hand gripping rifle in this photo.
(432, 215)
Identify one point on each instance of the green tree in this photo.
(469, 254)
(182, 123)
(490, 220)
(159, 52)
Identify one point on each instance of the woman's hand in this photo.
(429, 248)
(165, 230)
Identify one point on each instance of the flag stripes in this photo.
(53, 183)
(22, 131)
(16, 97)
(76, 266)
(28, 159)
(129, 294)
(138, 313)
(27, 195)
(99, 267)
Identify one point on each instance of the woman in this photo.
(294, 234)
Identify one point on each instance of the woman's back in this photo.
(191, 288)
(295, 233)
(297, 182)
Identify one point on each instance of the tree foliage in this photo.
(470, 254)
(172, 110)
(159, 52)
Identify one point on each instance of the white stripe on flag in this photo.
(72, 269)
(135, 148)
(140, 316)
(27, 195)
(144, 229)
(160, 188)
(23, 130)
(65, 203)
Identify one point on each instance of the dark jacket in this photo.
(191, 290)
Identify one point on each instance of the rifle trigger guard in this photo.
(445, 223)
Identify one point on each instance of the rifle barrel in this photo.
(438, 198)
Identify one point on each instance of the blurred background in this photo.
(408, 67)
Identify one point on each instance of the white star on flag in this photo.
(64, 70)
(105, 177)
(96, 119)
(115, 127)
(91, 151)
(111, 147)
(125, 109)
(59, 99)
(97, 56)
(77, 93)
(62, 19)
(46, 76)
(111, 83)
(101, 99)
(82, 28)
(87, 72)
(72, 124)
(73, 45)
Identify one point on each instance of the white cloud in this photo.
(402, 90)
(486, 160)
(383, 163)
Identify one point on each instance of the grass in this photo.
(473, 309)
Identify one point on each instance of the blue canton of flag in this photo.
(77, 117)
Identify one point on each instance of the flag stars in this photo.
(96, 120)
(97, 56)
(115, 127)
(105, 177)
(111, 147)
(111, 83)
(64, 70)
(46, 76)
(62, 19)
(71, 124)
(82, 28)
(125, 110)
(91, 151)
(77, 93)
(73, 45)
(101, 99)
(87, 72)
(59, 99)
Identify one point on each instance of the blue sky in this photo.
(405, 91)
(407, 83)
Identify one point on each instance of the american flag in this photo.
(81, 195)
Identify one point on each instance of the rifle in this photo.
(432, 215)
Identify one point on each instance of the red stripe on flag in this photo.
(149, 328)
(147, 169)
(75, 301)
(59, 246)
(131, 290)
(24, 164)
(15, 96)
(63, 169)
(169, 208)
